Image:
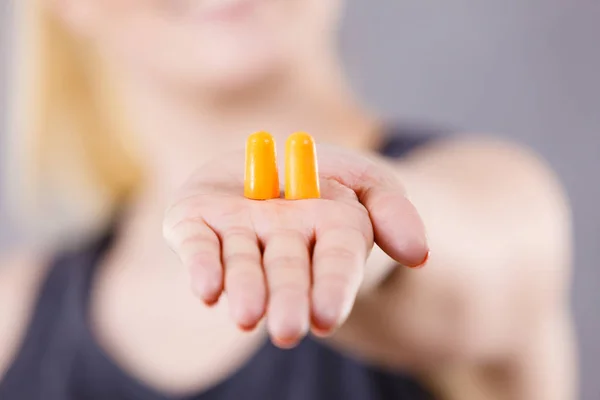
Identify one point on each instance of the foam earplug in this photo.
(301, 168)
(261, 180)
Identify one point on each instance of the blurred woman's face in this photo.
(215, 43)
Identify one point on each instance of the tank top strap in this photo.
(399, 140)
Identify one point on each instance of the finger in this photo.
(397, 226)
(287, 265)
(338, 263)
(199, 250)
(244, 276)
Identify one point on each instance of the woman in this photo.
(127, 102)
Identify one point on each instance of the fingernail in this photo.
(422, 263)
(207, 286)
(324, 323)
(261, 180)
(245, 320)
(301, 169)
(211, 301)
(285, 343)
(322, 333)
(246, 313)
(247, 328)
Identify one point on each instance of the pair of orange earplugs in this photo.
(261, 180)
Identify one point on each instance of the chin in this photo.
(234, 78)
(230, 73)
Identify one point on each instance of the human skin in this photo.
(195, 78)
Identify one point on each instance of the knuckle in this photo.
(243, 275)
(287, 235)
(241, 259)
(239, 233)
(337, 277)
(175, 213)
(288, 278)
(187, 231)
(285, 261)
(337, 253)
(347, 275)
(191, 207)
(203, 259)
(288, 285)
(199, 240)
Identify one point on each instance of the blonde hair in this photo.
(70, 162)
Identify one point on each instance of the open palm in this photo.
(299, 262)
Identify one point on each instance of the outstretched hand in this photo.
(298, 262)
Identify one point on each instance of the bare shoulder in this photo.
(474, 157)
(20, 276)
(493, 172)
(510, 196)
(502, 204)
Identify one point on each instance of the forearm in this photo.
(500, 259)
(546, 369)
(543, 368)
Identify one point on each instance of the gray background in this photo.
(523, 69)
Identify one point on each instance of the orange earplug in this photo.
(261, 181)
(301, 169)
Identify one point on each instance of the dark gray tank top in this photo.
(60, 359)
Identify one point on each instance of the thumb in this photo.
(397, 227)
